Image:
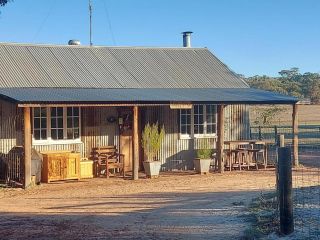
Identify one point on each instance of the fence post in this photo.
(285, 190)
(260, 136)
(275, 133)
(279, 143)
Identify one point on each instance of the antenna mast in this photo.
(90, 16)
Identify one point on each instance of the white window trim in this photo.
(49, 140)
(196, 136)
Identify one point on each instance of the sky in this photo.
(252, 37)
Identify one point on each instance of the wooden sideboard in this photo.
(59, 166)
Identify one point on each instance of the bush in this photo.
(204, 153)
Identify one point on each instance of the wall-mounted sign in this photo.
(180, 106)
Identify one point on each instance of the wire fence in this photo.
(306, 176)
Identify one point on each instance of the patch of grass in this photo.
(263, 216)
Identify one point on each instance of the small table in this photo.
(232, 143)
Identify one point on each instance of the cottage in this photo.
(78, 98)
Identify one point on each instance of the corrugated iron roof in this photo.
(47, 66)
(149, 95)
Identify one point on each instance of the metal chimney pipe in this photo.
(187, 38)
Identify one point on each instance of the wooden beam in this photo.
(295, 132)
(27, 147)
(220, 142)
(136, 144)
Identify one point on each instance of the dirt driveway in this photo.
(174, 206)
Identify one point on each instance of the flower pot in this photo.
(202, 166)
(152, 169)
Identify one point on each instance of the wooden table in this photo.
(233, 144)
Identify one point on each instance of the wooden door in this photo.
(126, 148)
(72, 166)
(125, 141)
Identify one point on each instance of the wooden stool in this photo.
(240, 156)
(254, 156)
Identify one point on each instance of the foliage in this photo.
(290, 82)
(265, 116)
(152, 138)
(263, 216)
(4, 2)
(204, 153)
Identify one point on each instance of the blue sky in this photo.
(251, 36)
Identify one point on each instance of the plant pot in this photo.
(152, 169)
(202, 166)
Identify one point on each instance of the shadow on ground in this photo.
(201, 215)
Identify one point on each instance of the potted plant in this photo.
(152, 138)
(203, 160)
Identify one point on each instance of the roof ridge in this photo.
(95, 46)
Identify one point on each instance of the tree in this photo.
(4, 2)
(290, 82)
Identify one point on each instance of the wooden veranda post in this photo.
(27, 147)
(220, 142)
(135, 165)
(295, 139)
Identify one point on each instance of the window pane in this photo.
(54, 134)
(60, 111)
(43, 123)
(36, 123)
(183, 129)
(69, 122)
(60, 134)
(53, 123)
(189, 129)
(183, 119)
(36, 134)
(76, 133)
(76, 122)
(69, 111)
(200, 129)
(75, 111)
(36, 112)
(43, 134)
(60, 123)
(43, 112)
(70, 133)
(53, 112)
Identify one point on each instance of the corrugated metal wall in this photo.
(96, 130)
(11, 122)
(178, 154)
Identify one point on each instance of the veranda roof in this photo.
(148, 95)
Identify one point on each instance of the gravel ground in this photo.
(175, 206)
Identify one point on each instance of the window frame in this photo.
(49, 140)
(192, 135)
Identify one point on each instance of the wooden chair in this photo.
(107, 158)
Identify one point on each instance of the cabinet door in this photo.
(56, 167)
(73, 166)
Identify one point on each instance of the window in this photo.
(56, 123)
(73, 123)
(185, 121)
(200, 121)
(40, 123)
